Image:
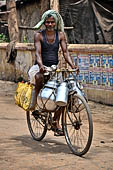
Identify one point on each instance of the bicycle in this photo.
(76, 117)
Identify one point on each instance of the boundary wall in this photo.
(96, 70)
(95, 63)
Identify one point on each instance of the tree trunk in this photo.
(44, 6)
(54, 4)
(12, 21)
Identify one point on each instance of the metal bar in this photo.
(31, 28)
(5, 12)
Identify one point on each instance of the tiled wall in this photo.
(96, 69)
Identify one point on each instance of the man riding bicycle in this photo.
(47, 43)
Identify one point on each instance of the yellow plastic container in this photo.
(23, 95)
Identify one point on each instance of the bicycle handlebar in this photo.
(54, 69)
(67, 70)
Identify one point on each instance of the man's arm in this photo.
(37, 44)
(63, 43)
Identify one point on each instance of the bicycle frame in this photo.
(76, 116)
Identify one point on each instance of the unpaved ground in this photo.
(18, 151)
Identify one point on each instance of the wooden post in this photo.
(54, 4)
(12, 21)
(44, 6)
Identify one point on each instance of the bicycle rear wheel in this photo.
(37, 125)
(78, 126)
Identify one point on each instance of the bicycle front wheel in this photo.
(37, 126)
(78, 126)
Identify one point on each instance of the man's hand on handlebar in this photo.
(45, 69)
(42, 69)
(77, 70)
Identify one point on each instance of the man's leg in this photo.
(56, 118)
(39, 80)
(38, 86)
(36, 78)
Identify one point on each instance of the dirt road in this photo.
(19, 151)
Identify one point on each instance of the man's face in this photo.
(50, 24)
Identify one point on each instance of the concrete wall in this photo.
(96, 74)
(23, 61)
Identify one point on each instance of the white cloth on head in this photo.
(57, 17)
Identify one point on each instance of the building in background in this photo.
(90, 21)
(28, 14)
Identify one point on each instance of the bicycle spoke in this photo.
(78, 127)
(36, 126)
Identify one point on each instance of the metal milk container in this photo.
(46, 97)
(62, 94)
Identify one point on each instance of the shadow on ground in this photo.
(45, 146)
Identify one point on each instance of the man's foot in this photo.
(59, 132)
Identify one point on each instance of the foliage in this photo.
(3, 38)
(25, 39)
